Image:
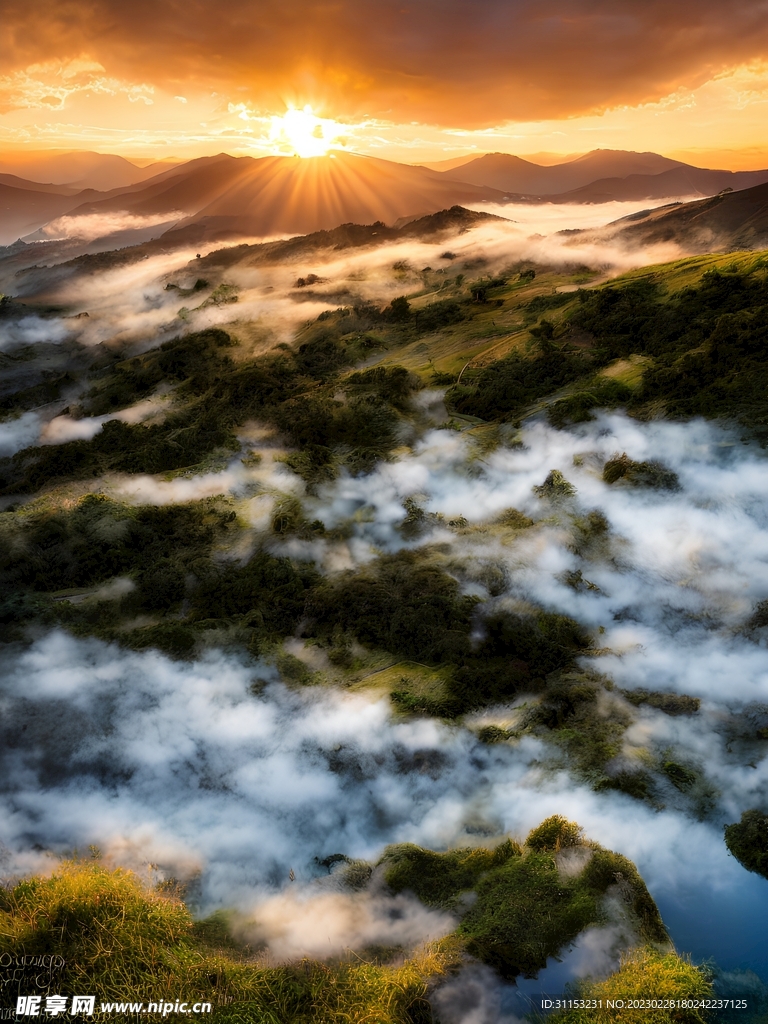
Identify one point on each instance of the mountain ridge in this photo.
(597, 177)
(226, 197)
(725, 222)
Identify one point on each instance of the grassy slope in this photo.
(687, 338)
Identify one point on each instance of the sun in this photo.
(304, 134)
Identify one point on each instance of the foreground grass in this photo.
(123, 941)
(645, 977)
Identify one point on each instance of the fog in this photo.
(682, 568)
(89, 226)
(19, 433)
(129, 305)
(672, 584)
(676, 580)
(31, 329)
(33, 428)
(218, 772)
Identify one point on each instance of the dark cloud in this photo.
(453, 62)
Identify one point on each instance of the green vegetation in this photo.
(543, 303)
(748, 841)
(708, 342)
(706, 347)
(639, 474)
(412, 609)
(98, 538)
(117, 935)
(601, 392)
(555, 487)
(682, 778)
(48, 390)
(505, 389)
(439, 879)
(400, 604)
(669, 703)
(167, 553)
(577, 714)
(425, 319)
(269, 592)
(298, 392)
(527, 908)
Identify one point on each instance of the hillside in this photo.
(28, 278)
(224, 197)
(25, 207)
(289, 195)
(679, 181)
(734, 220)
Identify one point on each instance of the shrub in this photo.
(555, 487)
(669, 703)
(682, 778)
(439, 879)
(505, 389)
(577, 408)
(525, 911)
(748, 841)
(502, 931)
(269, 592)
(415, 610)
(554, 834)
(640, 474)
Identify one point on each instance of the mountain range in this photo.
(78, 170)
(601, 176)
(224, 197)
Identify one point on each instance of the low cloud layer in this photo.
(185, 766)
(19, 433)
(322, 924)
(31, 428)
(30, 330)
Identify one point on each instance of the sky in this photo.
(410, 80)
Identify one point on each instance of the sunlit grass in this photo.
(644, 975)
(123, 941)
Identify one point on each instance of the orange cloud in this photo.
(463, 63)
(49, 85)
